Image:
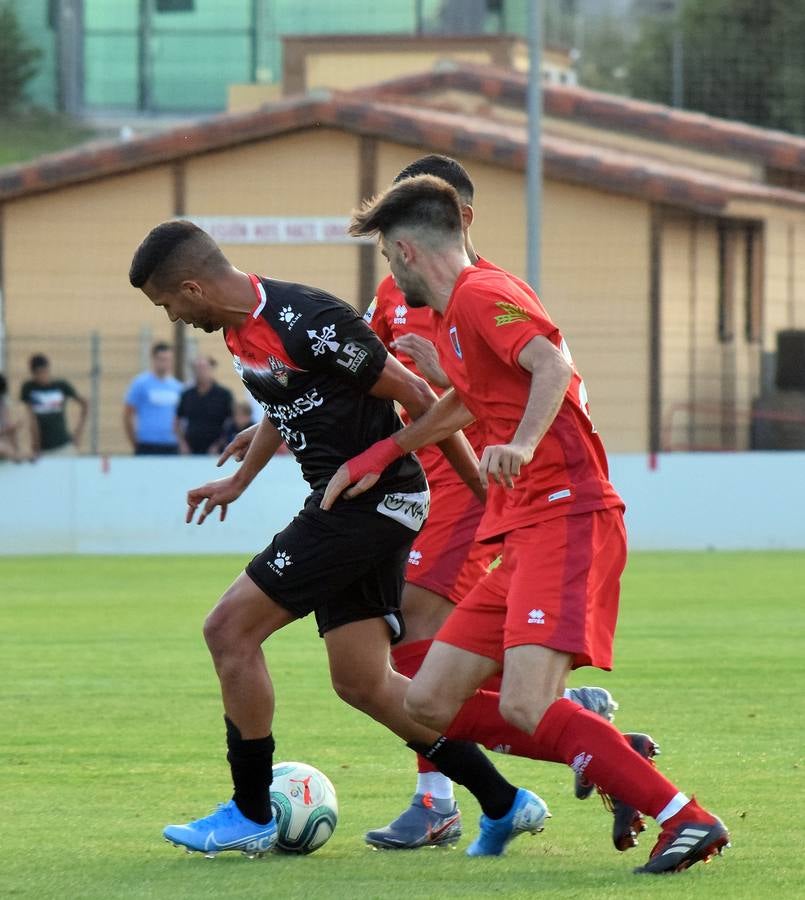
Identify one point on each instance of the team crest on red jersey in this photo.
(454, 342)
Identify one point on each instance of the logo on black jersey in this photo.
(455, 343)
(353, 356)
(400, 314)
(279, 370)
(323, 341)
(289, 316)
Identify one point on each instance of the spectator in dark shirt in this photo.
(203, 412)
(46, 399)
(242, 418)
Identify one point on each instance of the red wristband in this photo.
(374, 459)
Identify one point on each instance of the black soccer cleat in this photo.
(698, 838)
(628, 822)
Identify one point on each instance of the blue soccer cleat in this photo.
(225, 829)
(528, 813)
(423, 824)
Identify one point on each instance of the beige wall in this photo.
(66, 260)
(348, 70)
(67, 252)
(708, 384)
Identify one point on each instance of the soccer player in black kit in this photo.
(328, 387)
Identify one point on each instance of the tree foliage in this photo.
(19, 60)
(742, 59)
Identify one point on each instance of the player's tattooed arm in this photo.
(223, 491)
(550, 377)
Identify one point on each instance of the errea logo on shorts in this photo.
(281, 562)
(536, 617)
(414, 557)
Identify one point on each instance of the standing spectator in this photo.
(242, 418)
(151, 402)
(203, 412)
(46, 399)
(9, 446)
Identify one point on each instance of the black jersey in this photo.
(310, 361)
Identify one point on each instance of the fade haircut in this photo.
(424, 204)
(172, 252)
(442, 167)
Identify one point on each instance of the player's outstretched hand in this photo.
(502, 463)
(239, 444)
(424, 354)
(214, 494)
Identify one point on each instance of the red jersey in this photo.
(390, 316)
(489, 319)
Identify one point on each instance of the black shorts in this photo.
(345, 565)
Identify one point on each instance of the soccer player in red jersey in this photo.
(551, 605)
(445, 560)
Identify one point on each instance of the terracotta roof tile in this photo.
(421, 127)
(696, 130)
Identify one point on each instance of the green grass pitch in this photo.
(111, 727)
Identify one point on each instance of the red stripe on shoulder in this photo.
(255, 342)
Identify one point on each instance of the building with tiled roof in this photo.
(672, 246)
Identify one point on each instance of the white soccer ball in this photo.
(305, 807)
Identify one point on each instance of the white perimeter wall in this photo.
(137, 505)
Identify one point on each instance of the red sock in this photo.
(592, 746)
(570, 734)
(407, 660)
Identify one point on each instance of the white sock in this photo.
(439, 786)
(672, 808)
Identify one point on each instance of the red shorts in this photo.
(558, 586)
(444, 557)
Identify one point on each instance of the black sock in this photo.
(465, 763)
(250, 762)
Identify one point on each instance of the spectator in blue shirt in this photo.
(151, 402)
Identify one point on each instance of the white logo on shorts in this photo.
(414, 557)
(281, 562)
(536, 617)
(410, 510)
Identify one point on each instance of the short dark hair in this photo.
(444, 167)
(160, 347)
(174, 251)
(422, 202)
(38, 361)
